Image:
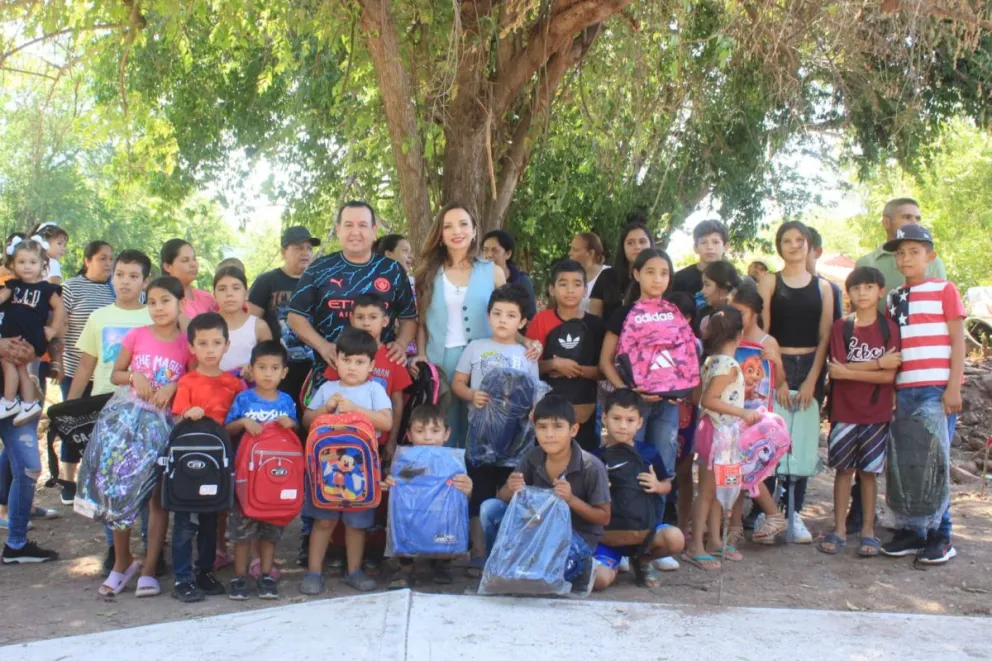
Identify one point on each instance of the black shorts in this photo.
(486, 482)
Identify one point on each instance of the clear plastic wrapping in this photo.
(428, 516)
(917, 475)
(532, 548)
(119, 468)
(501, 431)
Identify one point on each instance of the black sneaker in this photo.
(29, 553)
(109, 561)
(239, 589)
(582, 584)
(905, 542)
(303, 559)
(68, 492)
(936, 552)
(267, 587)
(211, 586)
(187, 592)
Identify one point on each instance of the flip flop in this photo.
(147, 587)
(873, 544)
(705, 562)
(728, 552)
(475, 567)
(650, 575)
(837, 544)
(117, 581)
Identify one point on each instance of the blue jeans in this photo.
(20, 466)
(185, 526)
(491, 514)
(907, 401)
(661, 430)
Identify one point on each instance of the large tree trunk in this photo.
(401, 116)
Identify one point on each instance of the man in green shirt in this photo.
(898, 213)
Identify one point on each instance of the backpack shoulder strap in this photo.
(883, 328)
(848, 331)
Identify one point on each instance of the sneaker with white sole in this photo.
(29, 411)
(800, 534)
(8, 408)
(29, 553)
(937, 551)
(668, 563)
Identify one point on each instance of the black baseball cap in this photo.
(298, 234)
(910, 232)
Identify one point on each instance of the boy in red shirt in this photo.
(205, 391)
(371, 314)
(864, 357)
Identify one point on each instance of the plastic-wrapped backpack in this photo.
(762, 445)
(917, 471)
(500, 432)
(428, 516)
(119, 468)
(532, 548)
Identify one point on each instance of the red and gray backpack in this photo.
(656, 353)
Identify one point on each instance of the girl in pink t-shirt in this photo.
(151, 360)
(179, 260)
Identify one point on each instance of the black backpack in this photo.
(199, 468)
(633, 515)
(430, 386)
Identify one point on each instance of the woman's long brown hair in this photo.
(435, 256)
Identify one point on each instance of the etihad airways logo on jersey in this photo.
(345, 305)
(653, 316)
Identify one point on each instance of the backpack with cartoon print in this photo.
(343, 469)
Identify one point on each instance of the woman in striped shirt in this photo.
(83, 294)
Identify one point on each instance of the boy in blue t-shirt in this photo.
(251, 409)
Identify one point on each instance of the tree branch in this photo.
(545, 40)
(58, 33)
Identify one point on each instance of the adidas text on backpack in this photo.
(269, 475)
(199, 473)
(656, 352)
(343, 470)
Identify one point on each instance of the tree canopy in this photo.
(550, 116)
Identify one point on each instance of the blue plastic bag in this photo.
(500, 432)
(917, 469)
(532, 548)
(428, 516)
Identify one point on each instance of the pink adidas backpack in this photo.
(656, 352)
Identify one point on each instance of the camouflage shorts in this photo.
(243, 529)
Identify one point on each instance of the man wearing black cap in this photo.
(269, 299)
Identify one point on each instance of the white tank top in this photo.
(243, 340)
(584, 305)
(454, 300)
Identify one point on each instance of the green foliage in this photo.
(954, 189)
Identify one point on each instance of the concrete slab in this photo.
(404, 626)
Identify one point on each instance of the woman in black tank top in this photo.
(798, 313)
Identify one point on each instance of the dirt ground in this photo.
(59, 599)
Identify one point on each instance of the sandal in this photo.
(147, 587)
(401, 580)
(870, 547)
(774, 525)
(475, 567)
(705, 561)
(222, 560)
(117, 581)
(833, 543)
(728, 552)
(735, 535)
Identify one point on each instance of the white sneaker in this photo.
(665, 564)
(624, 565)
(29, 411)
(800, 534)
(8, 408)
